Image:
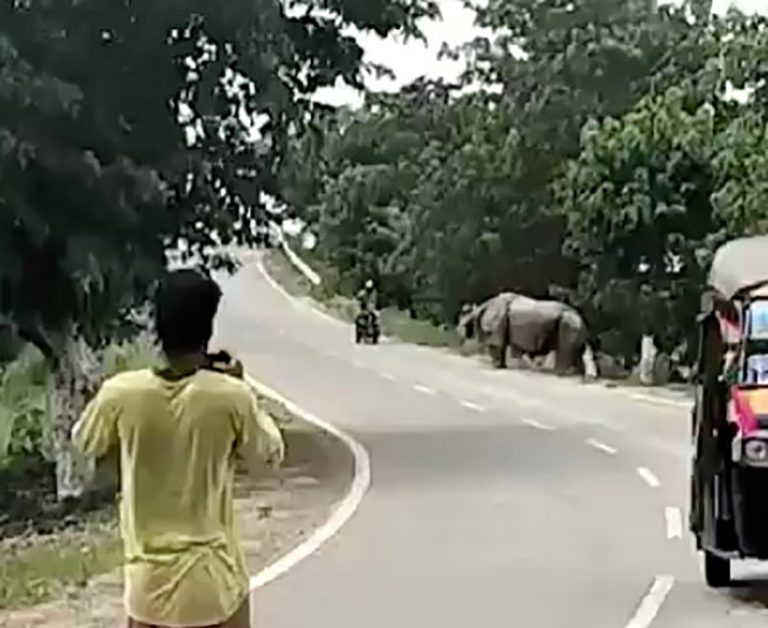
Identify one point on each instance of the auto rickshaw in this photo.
(729, 479)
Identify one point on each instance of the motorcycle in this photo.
(367, 329)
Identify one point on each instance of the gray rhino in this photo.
(526, 326)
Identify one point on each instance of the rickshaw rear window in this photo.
(758, 320)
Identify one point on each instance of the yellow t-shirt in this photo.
(178, 441)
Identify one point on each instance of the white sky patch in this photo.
(748, 6)
(411, 60)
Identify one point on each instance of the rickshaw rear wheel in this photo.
(717, 570)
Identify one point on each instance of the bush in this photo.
(23, 408)
(141, 352)
(27, 478)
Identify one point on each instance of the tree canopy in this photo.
(127, 128)
(592, 151)
(131, 128)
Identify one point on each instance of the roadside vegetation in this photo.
(132, 136)
(596, 152)
(394, 322)
(49, 548)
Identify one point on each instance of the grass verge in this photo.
(34, 570)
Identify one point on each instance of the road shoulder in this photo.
(277, 513)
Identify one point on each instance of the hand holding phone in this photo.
(223, 362)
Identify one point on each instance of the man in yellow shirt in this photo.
(179, 431)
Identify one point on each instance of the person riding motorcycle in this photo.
(367, 315)
(367, 297)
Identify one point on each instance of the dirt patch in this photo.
(276, 513)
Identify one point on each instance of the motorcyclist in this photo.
(367, 321)
(367, 298)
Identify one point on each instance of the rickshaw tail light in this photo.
(756, 450)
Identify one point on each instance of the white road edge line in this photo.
(674, 519)
(472, 406)
(661, 401)
(426, 390)
(600, 446)
(292, 299)
(651, 604)
(649, 477)
(360, 484)
(296, 302)
(537, 425)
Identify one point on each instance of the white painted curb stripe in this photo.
(290, 298)
(345, 510)
(649, 477)
(299, 263)
(674, 522)
(651, 604)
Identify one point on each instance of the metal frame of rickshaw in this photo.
(721, 443)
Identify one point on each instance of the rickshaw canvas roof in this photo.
(739, 266)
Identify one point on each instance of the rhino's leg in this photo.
(498, 356)
(571, 343)
(564, 362)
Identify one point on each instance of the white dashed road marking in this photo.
(649, 477)
(600, 446)
(537, 425)
(674, 522)
(651, 604)
(424, 389)
(389, 377)
(472, 406)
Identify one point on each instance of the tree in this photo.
(596, 156)
(640, 220)
(128, 128)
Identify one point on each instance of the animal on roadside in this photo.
(527, 327)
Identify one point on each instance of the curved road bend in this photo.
(498, 498)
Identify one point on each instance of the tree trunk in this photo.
(648, 354)
(76, 375)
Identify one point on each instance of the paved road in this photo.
(498, 498)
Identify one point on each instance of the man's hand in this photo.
(225, 363)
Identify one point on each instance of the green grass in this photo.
(280, 270)
(394, 323)
(401, 326)
(37, 570)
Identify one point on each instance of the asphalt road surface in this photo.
(498, 499)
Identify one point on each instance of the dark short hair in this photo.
(185, 306)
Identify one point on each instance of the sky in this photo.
(414, 59)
